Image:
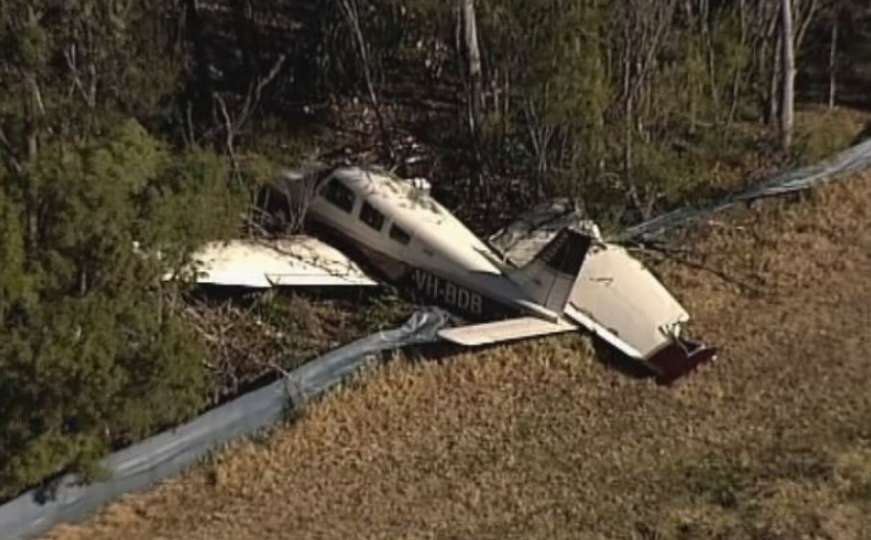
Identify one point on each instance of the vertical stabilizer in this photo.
(550, 276)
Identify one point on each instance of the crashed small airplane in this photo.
(397, 231)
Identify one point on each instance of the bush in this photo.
(92, 354)
(821, 133)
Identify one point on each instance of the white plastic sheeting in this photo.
(854, 159)
(525, 237)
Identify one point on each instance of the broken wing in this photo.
(296, 261)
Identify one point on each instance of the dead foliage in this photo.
(254, 337)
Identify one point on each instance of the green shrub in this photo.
(92, 354)
(820, 134)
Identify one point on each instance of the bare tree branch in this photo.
(9, 153)
(255, 92)
(674, 254)
(233, 125)
(804, 17)
(89, 95)
(352, 16)
(230, 130)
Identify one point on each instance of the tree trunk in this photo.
(473, 52)
(736, 78)
(629, 120)
(352, 17)
(833, 59)
(787, 106)
(243, 15)
(201, 67)
(774, 95)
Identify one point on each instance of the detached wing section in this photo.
(295, 261)
(507, 330)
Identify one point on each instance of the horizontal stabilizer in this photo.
(507, 330)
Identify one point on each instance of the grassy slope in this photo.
(542, 440)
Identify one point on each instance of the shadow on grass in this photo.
(605, 354)
(616, 360)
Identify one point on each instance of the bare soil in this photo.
(544, 440)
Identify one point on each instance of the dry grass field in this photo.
(544, 440)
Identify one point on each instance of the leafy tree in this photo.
(92, 351)
(556, 88)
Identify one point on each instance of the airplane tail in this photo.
(550, 276)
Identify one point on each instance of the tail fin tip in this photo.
(550, 276)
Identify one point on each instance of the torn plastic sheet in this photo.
(854, 159)
(168, 453)
(525, 237)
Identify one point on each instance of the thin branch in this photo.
(805, 20)
(672, 255)
(349, 10)
(89, 96)
(9, 153)
(653, 47)
(37, 94)
(230, 130)
(233, 127)
(189, 133)
(255, 92)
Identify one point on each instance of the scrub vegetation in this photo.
(131, 132)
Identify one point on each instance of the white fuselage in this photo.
(409, 236)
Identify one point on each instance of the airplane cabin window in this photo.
(340, 195)
(372, 217)
(399, 234)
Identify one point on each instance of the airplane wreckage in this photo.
(548, 273)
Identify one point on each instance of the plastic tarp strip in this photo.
(168, 453)
(853, 159)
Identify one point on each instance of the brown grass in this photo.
(820, 133)
(541, 440)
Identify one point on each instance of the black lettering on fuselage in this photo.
(448, 293)
(464, 299)
(420, 279)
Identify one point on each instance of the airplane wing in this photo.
(295, 261)
(507, 330)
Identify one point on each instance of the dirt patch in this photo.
(542, 440)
